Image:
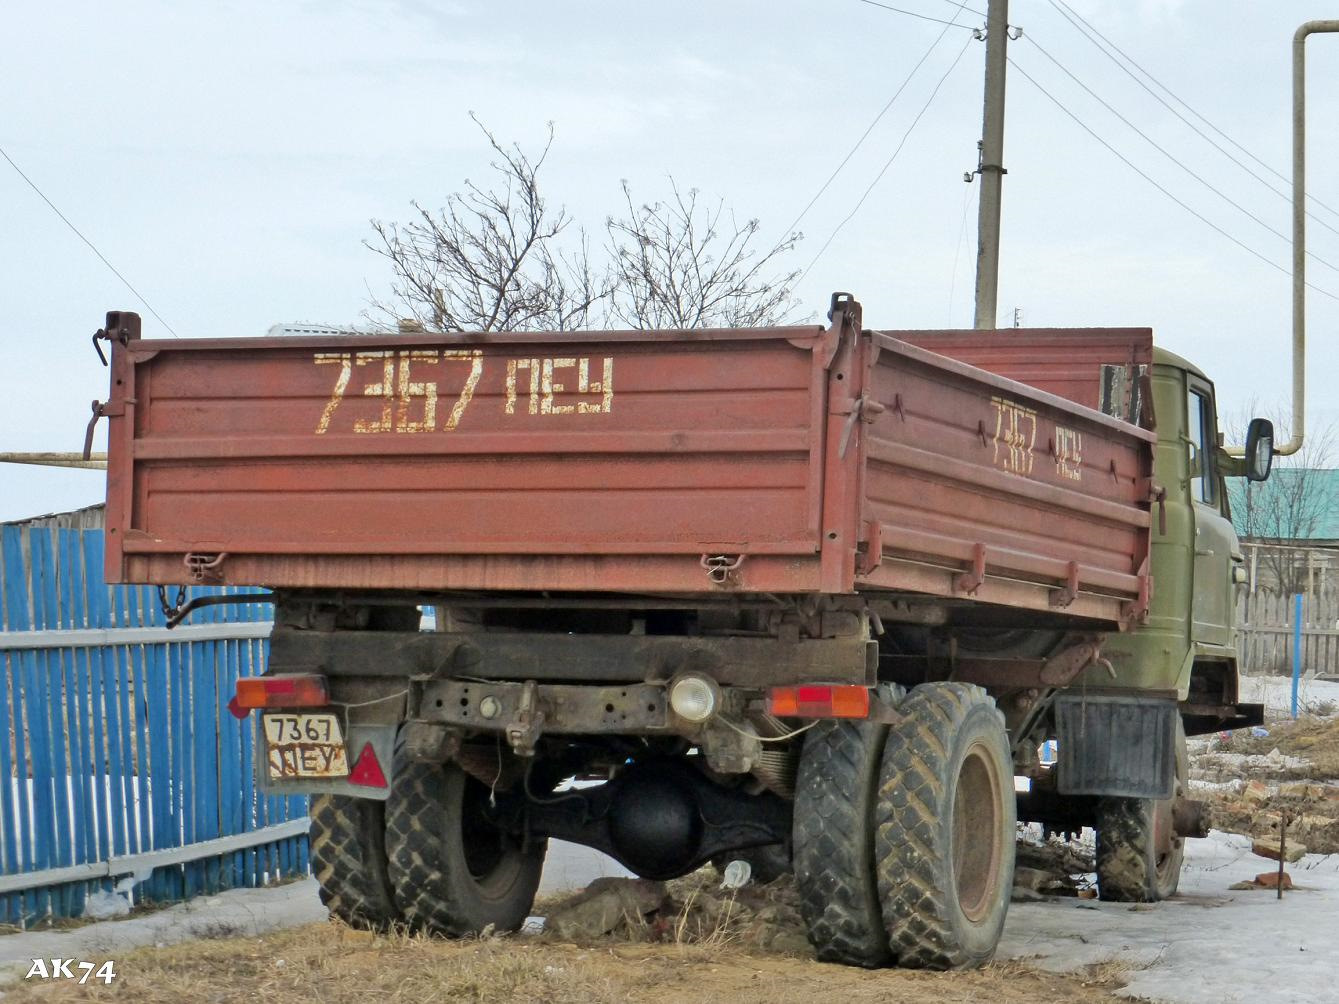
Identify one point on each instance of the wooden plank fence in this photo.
(118, 756)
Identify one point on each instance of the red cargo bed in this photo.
(796, 459)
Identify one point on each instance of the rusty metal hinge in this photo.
(204, 567)
(1137, 611)
(869, 552)
(1156, 494)
(863, 409)
(111, 409)
(1066, 595)
(969, 582)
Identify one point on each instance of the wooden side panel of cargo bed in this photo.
(978, 486)
(601, 461)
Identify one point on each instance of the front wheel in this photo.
(946, 822)
(454, 871)
(1139, 855)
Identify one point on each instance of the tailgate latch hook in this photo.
(721, 568)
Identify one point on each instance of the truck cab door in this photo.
(1215, 540)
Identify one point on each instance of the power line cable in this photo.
(869, 129)
(923, 17)
(1147, 177)
(1088, 33)
(957, 253)
(962, 7)
(1186, 105)
(91, 247)
(889, 162)
(1174, 159)
(877, 118)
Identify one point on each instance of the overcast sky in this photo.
(227, 158)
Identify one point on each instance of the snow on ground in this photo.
(1275, 693)
(1209, 944)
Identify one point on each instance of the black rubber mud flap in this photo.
(1119, 746)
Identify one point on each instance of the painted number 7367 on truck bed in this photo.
(405, 385)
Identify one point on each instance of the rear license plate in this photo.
(299, 746)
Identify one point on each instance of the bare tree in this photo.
(490, 260)
(1287, 510)
(499, 257)
(682, 264)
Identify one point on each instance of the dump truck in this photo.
(809, 596)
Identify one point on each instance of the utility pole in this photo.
(991, 167)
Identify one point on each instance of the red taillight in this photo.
(283, 690)
(818, 701)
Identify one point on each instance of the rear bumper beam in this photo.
(578, 658)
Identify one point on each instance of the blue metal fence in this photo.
(118, 756)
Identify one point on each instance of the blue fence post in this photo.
(47, 616)
(76, 701)
(1297, 648)
(32, 849)
(95, 612)
(11, 906)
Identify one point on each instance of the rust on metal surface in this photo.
(1066, 362)
(770, 460)
(975, 464)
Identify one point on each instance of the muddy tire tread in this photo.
(433, 890)
(347, 849)
(834, 842)
(915, 905)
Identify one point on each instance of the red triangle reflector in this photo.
(236, 709)
(367, 771)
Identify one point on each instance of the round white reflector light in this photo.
(694, 698)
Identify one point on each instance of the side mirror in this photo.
(1259, 449)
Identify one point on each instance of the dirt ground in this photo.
(704, 943)
(1255, 781)
(334, 965)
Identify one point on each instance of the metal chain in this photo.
(171, 611)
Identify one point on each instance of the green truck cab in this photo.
(1188, 645)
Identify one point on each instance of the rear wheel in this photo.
(1139, 855)
(453, 870)
(945, 845)
(835, 793)
(348, 857)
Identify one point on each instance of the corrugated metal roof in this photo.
(90, 518)
(1296, 503)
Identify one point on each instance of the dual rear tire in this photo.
(903, 841)
(904, 833)
(426, 859)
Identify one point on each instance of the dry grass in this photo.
(330, 964)
(1313, 739)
